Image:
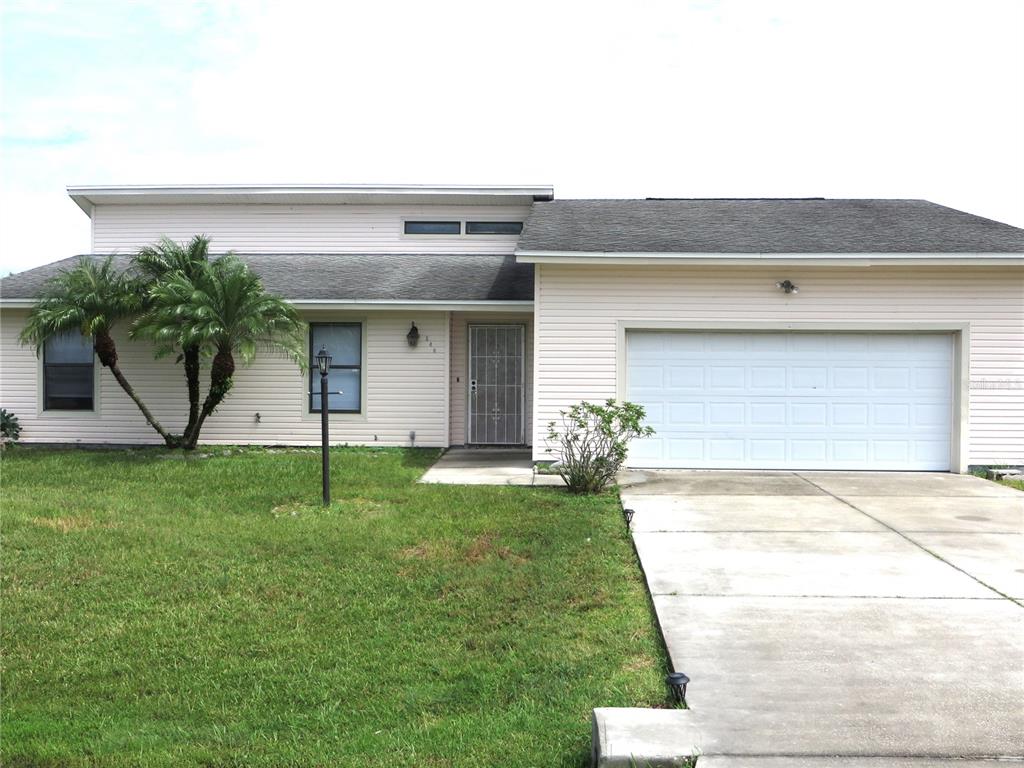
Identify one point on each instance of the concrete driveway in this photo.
(824, 614)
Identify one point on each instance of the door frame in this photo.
(522, 381)
(961, 332)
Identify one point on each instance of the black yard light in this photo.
(323, 361)
(628, 514)
(677, 682)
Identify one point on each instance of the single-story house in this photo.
(757, 333)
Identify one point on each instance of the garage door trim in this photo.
(961, 358)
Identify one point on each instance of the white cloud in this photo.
(841, 99)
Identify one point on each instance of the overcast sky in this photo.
(757, 98)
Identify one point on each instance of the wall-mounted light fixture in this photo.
(413, 336)
(787, 286)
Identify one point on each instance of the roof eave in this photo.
(434, 305)
(88, 196)
(748, 259)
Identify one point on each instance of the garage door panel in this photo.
(933, 379)
(643, 377)
(932, 415)
(851, 414)
(688, 449)
(767, 414)
(850, 451)
(851, 379)
(768, 379)
(686, 377)
(728, 377)
(890, 379)
(796, 400)
(767, 449)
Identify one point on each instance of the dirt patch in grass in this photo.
(290, 509)
(66, 524)
(639, 663)
(427, 550)
(483, 548)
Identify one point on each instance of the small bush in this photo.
(592, 442)
(10, 429)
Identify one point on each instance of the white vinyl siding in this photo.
(579, 309)
(298, 228)
(460, 369)
(406, 390)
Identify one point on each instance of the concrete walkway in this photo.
(487, 466)
(839, 619)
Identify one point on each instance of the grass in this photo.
(160, 610)
(1012, 482)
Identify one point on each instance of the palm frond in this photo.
(223, 306)
(167, 256)
(89, 297)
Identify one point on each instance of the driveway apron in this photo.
(833, 615)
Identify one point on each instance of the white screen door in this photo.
(496, 384)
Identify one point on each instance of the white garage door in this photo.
(792, 400)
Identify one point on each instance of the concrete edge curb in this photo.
(635, 737)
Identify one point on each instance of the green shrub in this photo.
(592, 442)
(10, 429)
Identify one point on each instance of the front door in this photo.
(496, 384)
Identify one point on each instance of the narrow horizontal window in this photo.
(433, 227)
(68, 380)
(344, 343)
(494, 227)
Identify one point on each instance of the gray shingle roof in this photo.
(349, 276)
(763, 226)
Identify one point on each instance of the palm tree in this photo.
(90, 298)
(155, 263)
(224, 311)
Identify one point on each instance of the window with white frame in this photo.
(433, 227)
(344, 343)
(494, 227)
(68, 373)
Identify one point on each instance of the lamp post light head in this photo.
(323, 361)
(677, 682)
(413, 336)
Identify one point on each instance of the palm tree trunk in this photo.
(221, 372)
(191, 355)
(106, 351)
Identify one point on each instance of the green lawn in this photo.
(1012, 482)
(164, 611)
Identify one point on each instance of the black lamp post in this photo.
(323, 361)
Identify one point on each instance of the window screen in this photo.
(68, 373)
(344, 343)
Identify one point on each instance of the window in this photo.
(433, 227)
(68, 373)
(494, 227)
(344, 343)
